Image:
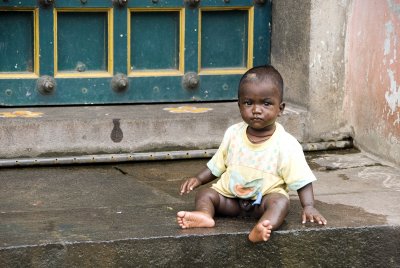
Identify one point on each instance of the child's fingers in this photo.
(184, 187)
(308, 217)
(191, 186)
(303, 218)
(318, 219)
(188, 186)
(321, 220)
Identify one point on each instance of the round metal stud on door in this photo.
(80, 67)
(46, 85)
(120, 82)
(46, 3)
(260, 2)
(190, 80)
(192, 3)
(120, 3)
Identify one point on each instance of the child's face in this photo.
(260, 104)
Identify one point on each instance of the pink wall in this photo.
(372, 97)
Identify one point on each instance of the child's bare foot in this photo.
(192, 219)
(261, 232)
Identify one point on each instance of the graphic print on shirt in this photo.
(245, 189)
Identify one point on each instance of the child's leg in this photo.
(274, 208)
(208, 202)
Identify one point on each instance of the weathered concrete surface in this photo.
(69, 131)
(373, 75)
(308, 48)
(343, 67)
(124, 215)
(290, 47)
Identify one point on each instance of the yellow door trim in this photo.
(165, 72)
(110, 60)
(36, 70)
(250, 43)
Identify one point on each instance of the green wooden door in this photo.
(68, 52)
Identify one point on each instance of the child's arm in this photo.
(306, 196)
(205, 176)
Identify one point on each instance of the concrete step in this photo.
(93, 130)
(123, 215)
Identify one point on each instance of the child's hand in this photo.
(310, 213)
(189, 185)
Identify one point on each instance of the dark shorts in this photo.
(247, 209)
(246, 204)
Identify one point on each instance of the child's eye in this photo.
(247, 102)
(267, 103)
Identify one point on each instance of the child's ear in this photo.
(281, 108)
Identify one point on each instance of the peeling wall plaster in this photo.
(392, 94)
(373, 76)
(394, 6)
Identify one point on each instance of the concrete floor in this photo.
(52, 215)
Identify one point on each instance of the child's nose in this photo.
(256, 109)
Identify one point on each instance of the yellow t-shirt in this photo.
(249, 171)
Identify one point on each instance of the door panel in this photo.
(224, 46)
(18, 45)
(158, 47)
(144, 51)
(78, 52)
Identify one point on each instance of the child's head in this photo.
(260, 74)
(260, 97)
